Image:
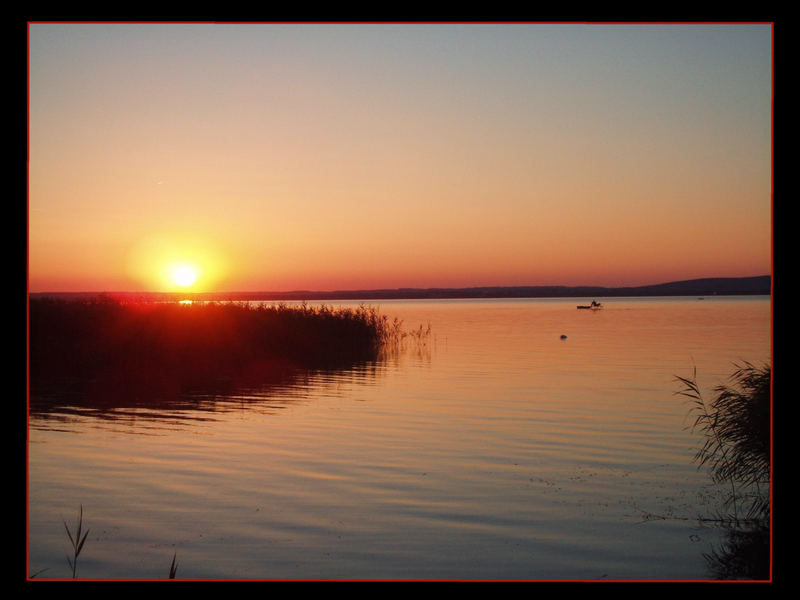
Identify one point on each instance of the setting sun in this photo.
(183, 274)
(177, 262)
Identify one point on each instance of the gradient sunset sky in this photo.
(322, 157)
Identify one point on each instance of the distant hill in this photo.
(706, 287)
(723, 286)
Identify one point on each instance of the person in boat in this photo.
(594, 304)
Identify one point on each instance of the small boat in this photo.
(593, 306)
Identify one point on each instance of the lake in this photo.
(495, 450)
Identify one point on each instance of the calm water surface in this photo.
(497, 450)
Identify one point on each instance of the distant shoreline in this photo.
(723, 286)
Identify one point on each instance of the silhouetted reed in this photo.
(736, 426)
(76, 542)
(142, 345)
(173, 568)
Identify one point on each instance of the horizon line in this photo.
(410, 289)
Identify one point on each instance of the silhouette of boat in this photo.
(593, 306)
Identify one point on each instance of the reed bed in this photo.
(196, 344)
(736, 427)
(736, 447)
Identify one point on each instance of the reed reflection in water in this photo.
(502, 451)
(54, 409)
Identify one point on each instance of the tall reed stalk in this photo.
(76, 542)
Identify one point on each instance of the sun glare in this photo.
(184, 275)
(177, 264)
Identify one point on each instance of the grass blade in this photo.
(173, 569)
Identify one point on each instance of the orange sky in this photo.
(321, 157)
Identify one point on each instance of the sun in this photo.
(178, 263)
(184, 274)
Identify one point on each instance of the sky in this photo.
(277, 157)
